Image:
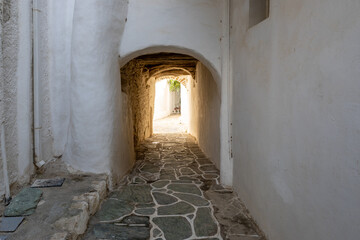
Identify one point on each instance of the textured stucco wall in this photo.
(205, 113)
(15, 82)
(297, 118)
(60, 19)
(94, 139)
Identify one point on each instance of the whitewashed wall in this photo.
(163, 100)
(94, 138)
(204, 111)
(297, 117)
(15, 93)
(84, 83)
(185, 103)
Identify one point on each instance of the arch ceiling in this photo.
(168, 64)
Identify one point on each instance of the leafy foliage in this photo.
(174, 85)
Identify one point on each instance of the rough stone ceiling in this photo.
(168, 64)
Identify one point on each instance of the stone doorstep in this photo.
(83, 207)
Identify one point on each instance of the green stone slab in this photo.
(209, 169)
(139, 194)
(180, 208)
(164, 199)
(133, 219)
(112, 231)
(156, 232)
(150, 168)
(159, 184)
(145, 211)
(187, 171)
(113, 209)
(185, 188)
(24, 204)
(174, 228)
(195, 200)
(204, 223)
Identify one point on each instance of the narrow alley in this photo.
(173, 192)
(181, 119)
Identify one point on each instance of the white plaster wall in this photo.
(10, 48)
(94, 140)
(185, 114)
(296, 126)
(163, 100)
(59, 35)
(45, 75)
(205, 113)
(182, 26)
(24, 93)
(15, 82)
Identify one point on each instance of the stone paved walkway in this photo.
(170, 124)
(172, 193)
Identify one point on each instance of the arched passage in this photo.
(138, 77)
(177, 50)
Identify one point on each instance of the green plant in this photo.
(174, 85)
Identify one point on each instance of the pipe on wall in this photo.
(226, 161)
(4, 162)
(36, 87)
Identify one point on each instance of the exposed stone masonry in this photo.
(138, 81)
(135, 82)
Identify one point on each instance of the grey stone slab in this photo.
(145, 211)
(210, 176)
(203, 161)
(209, 169)
(43, 183)
(10, 224)
(112, 231)
(188, 178)
(195, 200)
(187, 171)
(113, 209)
(138, 180)
(150, 168)
(160, 184)
(167, 174)
(185, 188)
(204, 224)
(3, 237)
(136, 193)
(24, 203)
(164, 199)
(134, 219)
(182, 181)
(145, 205)
(156, 232)
(174, 228)
(180, 208)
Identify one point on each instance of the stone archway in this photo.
(138, 77)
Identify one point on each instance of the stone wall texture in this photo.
(136, 83)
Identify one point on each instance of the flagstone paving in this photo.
(173, 192)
